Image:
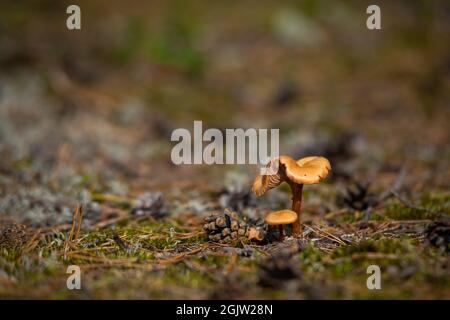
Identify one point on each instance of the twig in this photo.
(327, 235)
(180, 257)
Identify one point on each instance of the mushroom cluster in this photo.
(309, 170)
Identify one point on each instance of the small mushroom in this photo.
(309, 170)
(279, 218)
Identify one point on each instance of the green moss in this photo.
(429, 207)
(310, 258)
(375, 216)
(437, 202)
(382, 245)
(172, 45)
(348, 217)
(398, 211)
(22, 163)
(212, 260)
(183, 276)
(10, 254)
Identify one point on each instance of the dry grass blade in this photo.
(327, 235)
(180, 257)
(74, 230)
(32, 243)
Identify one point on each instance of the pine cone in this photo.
(357, 197)
(228, 228)
(438, 235)
(13, 235)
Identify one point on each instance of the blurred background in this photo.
(86, 118)
(92, 110)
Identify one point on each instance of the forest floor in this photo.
(85, 171)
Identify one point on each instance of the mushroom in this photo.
(309, 170)
(279, 218)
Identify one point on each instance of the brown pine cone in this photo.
(228, 227)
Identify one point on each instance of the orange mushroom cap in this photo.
(281, 217)
(309, 170)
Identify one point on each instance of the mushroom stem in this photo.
(281, 232)
(296, 206)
